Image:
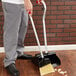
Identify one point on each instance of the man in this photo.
(15, 27)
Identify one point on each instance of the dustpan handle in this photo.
(44, 27)
(37, 39)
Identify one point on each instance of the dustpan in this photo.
(55, 61)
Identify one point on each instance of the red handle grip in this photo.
(29, 13)
(38, 2)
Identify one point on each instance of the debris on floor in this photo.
(61, 72)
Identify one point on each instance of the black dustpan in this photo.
(39, 61)
(54, 59)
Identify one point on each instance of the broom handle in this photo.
(44, 27)
(37, 39)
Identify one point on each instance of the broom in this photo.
(45, 66)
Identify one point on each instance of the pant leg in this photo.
(12, 20)
(22, 31)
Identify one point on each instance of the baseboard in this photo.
(49, 47)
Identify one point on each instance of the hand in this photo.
(29, 7)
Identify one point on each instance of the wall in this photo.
(60, 23)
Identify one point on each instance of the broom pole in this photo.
(37, 39)
(44, 26)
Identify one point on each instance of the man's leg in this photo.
(22, 31)
(12, 16)
(21, 37)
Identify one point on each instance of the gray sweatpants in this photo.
(15, 28)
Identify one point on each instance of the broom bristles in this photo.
(46, 69)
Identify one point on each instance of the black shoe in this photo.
(12, 70)
(25, 56)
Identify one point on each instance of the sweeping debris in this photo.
(59, 70)
(64, 73)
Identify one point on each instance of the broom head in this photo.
(45, 66)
